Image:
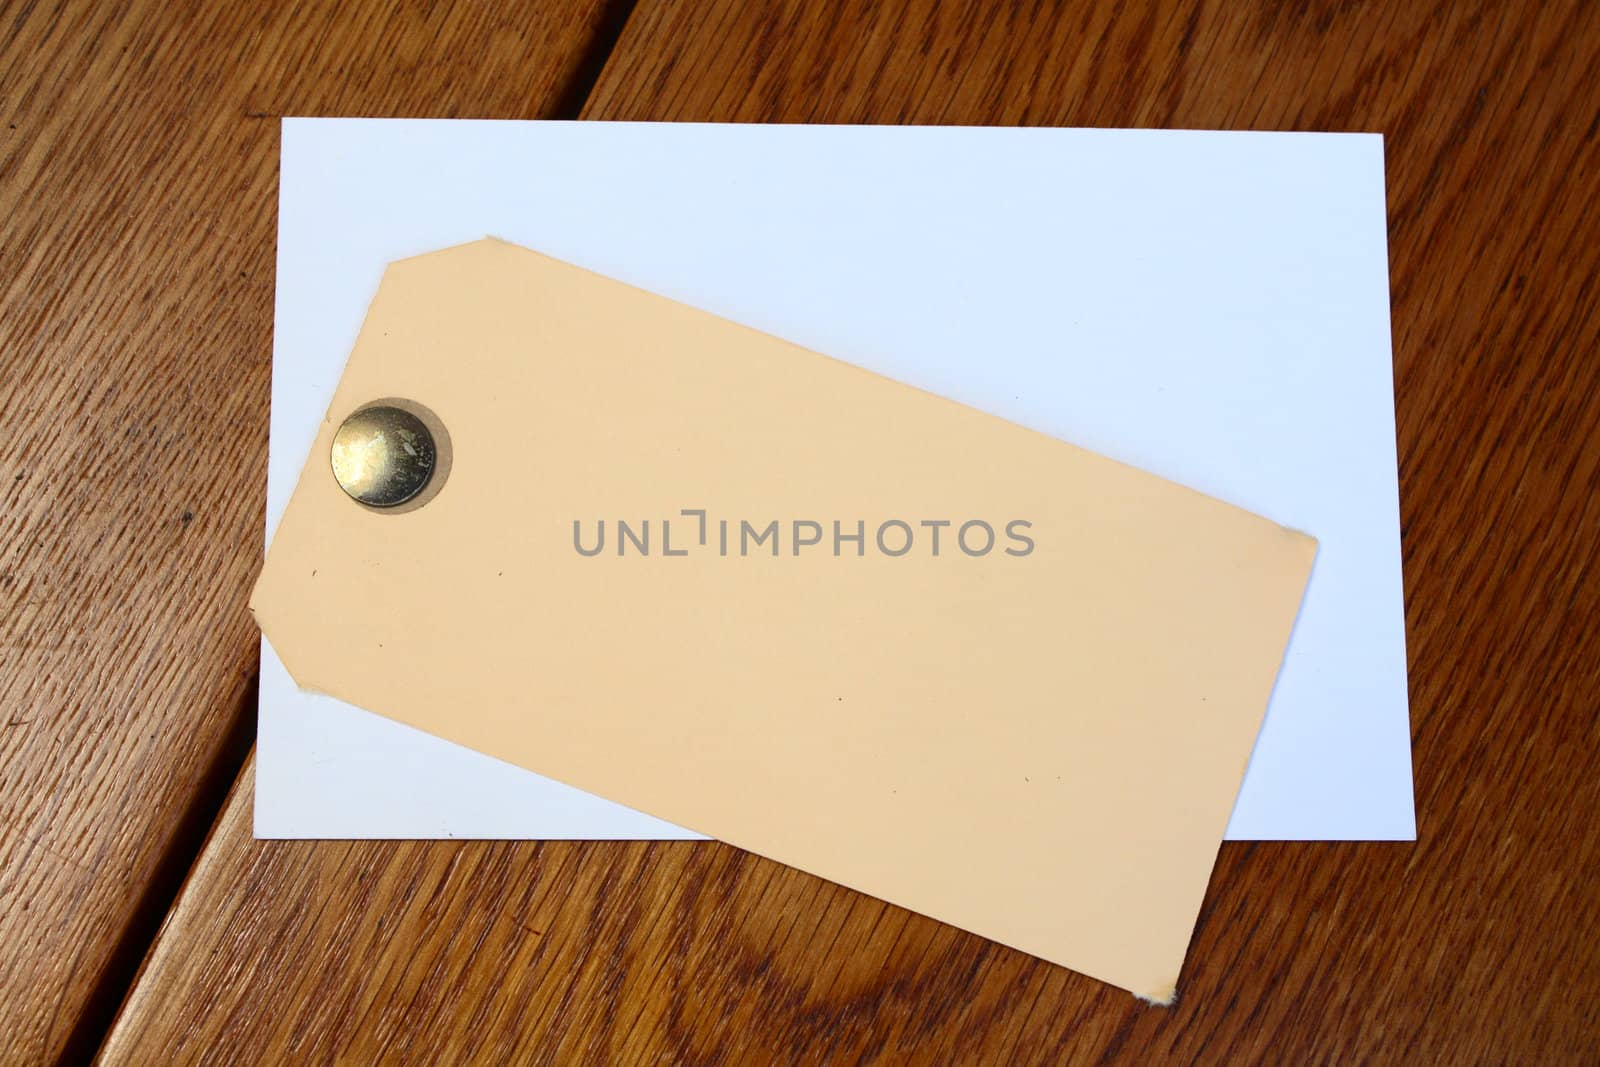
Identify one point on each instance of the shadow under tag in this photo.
(818, 614)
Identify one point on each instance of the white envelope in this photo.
(1212, 307)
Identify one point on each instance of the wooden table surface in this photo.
(137, 181)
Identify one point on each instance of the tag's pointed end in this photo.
(263, 615)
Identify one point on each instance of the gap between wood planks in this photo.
(99, 1010)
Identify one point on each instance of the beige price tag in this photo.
(777, 599)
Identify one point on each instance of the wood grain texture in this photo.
(1478, 944)
(138, 192)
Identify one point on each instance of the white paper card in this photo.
(1213, 307)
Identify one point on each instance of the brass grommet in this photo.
(383, 455)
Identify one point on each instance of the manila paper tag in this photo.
(815, 613)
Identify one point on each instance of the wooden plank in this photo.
(1475, 944)
(138, 192)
